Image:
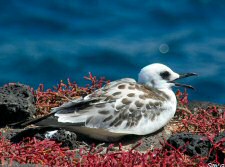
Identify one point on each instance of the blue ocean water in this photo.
(46, 41)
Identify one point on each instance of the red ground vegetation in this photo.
(209, 121)
(47, 99)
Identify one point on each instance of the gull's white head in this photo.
(160, 76)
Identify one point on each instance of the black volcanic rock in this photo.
(197, 145)
(191, 143)
(17, 103)
(67, 138)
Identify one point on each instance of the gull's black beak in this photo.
(184, 76)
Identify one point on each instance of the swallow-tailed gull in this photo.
(123, 106)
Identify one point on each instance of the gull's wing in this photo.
(98, 104)
(119, 107)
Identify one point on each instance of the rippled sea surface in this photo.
(46, 41)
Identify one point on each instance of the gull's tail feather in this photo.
(25, 123)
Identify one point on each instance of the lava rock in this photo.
(220, 153)
(17, 103)
(67, 138)
(196, 145)
(190, 143)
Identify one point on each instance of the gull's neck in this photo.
(165, 89)
(169, 92)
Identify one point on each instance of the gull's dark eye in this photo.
(165, 75)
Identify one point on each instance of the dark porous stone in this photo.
(220, 153)
(67, 138)
(17, 103)
(196, 145)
